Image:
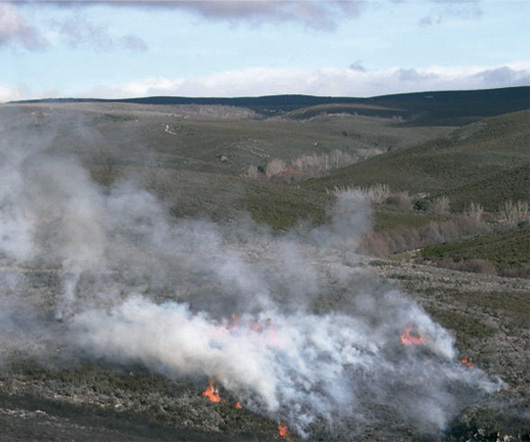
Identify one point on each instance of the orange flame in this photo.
(211, 392)
(238, 405)
(467, 361)
(408, 337)
(235, 320)
(283, 431)
(263, 329)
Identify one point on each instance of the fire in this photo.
(241, 326)
(211, 392)
(467, 361)
(410, 337)
(235, 320)
(238, 405)
(283, 431)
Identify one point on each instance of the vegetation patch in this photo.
(467, 331)
(513, 304)
(508, 252)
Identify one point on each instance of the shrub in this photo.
(422, 205)
(252, 172)
(338, 190)
(275, 167)
(517, 272)
(474, 211)
(476, 265)
(400, 200)
(400, 239)
(513, 213)
(441, 205)
(378, 192)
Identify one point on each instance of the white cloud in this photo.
(14, 30)
(77, 30)
(312, 13)
(325, 81)
(444, 10)
(7, 94)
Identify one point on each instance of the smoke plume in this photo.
(293, 326)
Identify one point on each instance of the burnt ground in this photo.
(57, 396)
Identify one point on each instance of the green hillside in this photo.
(196, 153)
(509, 252)
(485, 162)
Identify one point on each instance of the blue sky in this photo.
(258, 47)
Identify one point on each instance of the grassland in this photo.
(508, 252)
(468, 147)
(486, 162)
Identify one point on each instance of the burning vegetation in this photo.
(138, 288)
(283, 431)
(211, 392)
(411, 337)
(467, 361)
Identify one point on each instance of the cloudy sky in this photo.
(124, 48)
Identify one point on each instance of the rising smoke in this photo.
(293, 326)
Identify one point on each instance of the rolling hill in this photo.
(149, 250)
(451, 108)
(486, 162)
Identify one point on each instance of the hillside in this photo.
(228, 269)
(485, 162)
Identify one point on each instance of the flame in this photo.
(261, 329)
(211, 392)
(238, 405)
(235, 320)
(467, 361)
(408, 338)
(283, 431)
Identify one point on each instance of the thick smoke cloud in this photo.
(293, 326)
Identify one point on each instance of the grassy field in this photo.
(464, 165)
(507, 252)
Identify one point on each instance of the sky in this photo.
(361, 48)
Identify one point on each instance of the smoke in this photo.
(292, 325)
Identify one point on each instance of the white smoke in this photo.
(298, 367)
(315, 340)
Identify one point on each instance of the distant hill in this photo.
(448, 108)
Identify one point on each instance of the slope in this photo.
(485, 162)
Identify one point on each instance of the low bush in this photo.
(399, 239)
(475, 265)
